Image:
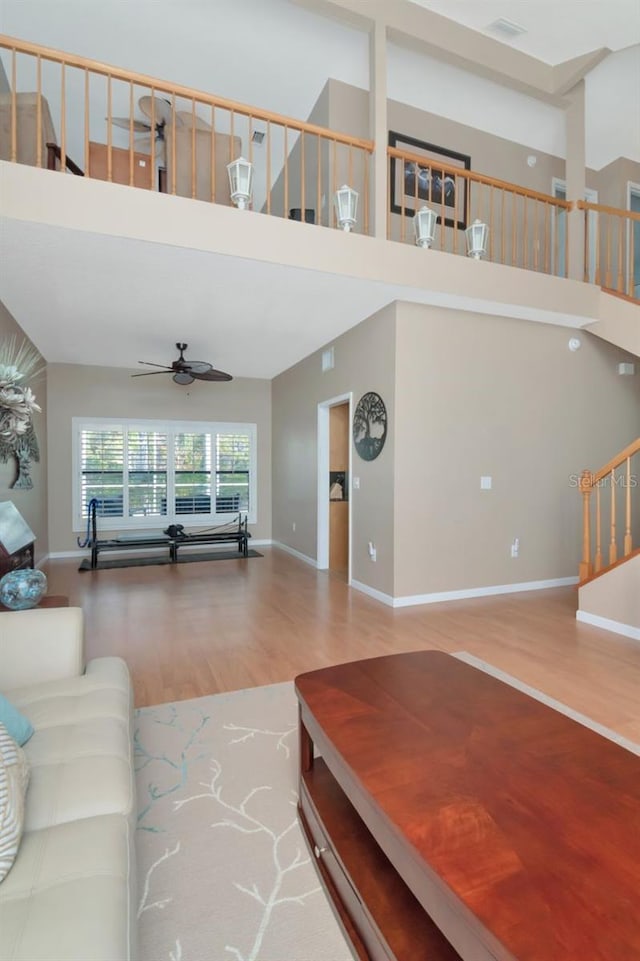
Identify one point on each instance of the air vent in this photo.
(328, 359)
(258, 136)
(506, 27)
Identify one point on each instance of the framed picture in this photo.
(426, 182)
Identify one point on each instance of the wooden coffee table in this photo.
(452, 816)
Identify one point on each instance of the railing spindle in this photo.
(14, 107)
(193, 149)
(109, 131)
(628, 539)
(613, 547)
(598, 558)
(212, 175)
(269, 167)
(286, 171)
(63, 119)
(303, 193)
(586, 485)
(38, 111)
(87, 135)
(131, 108)
(173, 145)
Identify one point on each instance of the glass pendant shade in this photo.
(424, 226)
(477, 235)
(346, 203)
(240, 181)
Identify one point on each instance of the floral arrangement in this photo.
(17, 402)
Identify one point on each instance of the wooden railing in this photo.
(100, 113)
(526, 228)
(612, 248)
(607, 524)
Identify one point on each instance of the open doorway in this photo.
(633, 241)
(334, 487)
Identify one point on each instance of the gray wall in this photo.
(478, 395)
(364, 361)
(81, 391)
(32, 504)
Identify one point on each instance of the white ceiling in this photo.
(557, 30)
(104, 301)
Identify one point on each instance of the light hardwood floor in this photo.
(203, 628)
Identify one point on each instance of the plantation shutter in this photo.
(147, 473)
(192, 462)
(233, 459)
(102, 471)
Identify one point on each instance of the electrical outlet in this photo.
(373, 554)
(515, 547)
(356, 483)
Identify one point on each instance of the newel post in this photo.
(586, 486)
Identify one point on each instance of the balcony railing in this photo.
(613, 238)
(526, 228)
(129, 128)
(133, 129)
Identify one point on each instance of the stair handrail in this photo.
(590, 480)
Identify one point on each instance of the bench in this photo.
(125, 542)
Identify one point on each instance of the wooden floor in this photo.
(202, 628)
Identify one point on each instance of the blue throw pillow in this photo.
(19, 727)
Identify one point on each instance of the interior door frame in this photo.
(591, 196)
(633, 190)
(322, 550)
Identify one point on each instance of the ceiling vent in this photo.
(507, 28)
(328, 359)
(258, 136)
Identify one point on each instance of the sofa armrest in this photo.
(43, 644)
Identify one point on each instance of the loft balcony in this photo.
(147, 159)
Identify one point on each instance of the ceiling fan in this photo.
(161, 112)
(185, 371)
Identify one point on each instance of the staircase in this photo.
(609, 572)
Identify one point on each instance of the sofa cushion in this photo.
(80, 754)
(69, 894)
(17, 725)
(14, 776)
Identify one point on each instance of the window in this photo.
(146, 473)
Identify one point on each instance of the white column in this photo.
(575, 175)
(378, 126)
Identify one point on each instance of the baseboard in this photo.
(616, 627)
(290, 550)
(439, 596)
(372, 592)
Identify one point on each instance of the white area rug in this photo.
(224, 871)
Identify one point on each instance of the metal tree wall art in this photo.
(17, 405)
(370, 426)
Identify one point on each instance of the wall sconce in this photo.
(346, 203)
(240, 181)
(477, 235)
(424, 226)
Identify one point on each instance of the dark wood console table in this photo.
(453, 817)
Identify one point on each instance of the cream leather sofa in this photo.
(70, 895)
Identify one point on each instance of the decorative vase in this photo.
(22, 589)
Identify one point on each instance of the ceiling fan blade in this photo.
(212, 375)
(148, 363)
(190, 121)
(159, 109)
(150, 373)
(139, 126)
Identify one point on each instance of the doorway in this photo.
(334, 486)
(633, 241)
(559, 190)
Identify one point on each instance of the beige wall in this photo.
(79, 391)
(364, 361)
(32, 504)
(615, 595)
(480, 396)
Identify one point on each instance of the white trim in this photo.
(633, 190)
(290, 550)
(322, 535)
(372, 592)
(435, 598)
(616, 627)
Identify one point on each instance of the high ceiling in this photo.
(138, 298)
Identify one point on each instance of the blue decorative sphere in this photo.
(20, 590)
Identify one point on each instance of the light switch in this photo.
(486, 483)
(356, 483)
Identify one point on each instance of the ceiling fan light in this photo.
(240, 181)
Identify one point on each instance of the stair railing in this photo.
(611, 514)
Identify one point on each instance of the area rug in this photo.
(157, 560)
(224, 871)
